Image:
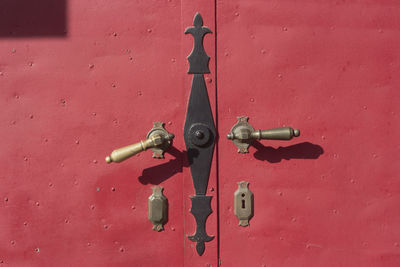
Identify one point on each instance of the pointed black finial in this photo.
(198, 20)
(198, 59)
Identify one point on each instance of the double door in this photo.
(328, 197)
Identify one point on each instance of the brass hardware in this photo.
(244, 201)
(158, 208)
(243, 134)
(158, 140)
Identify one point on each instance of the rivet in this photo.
(1, 261)
(30, 64)
(37, 204)
(37, 250)
(280, 238)
(352, 181)
(280, 193)
(98, 189)
(130, 58)
(1, 73)
(226, 54)
(293, 219)
(66, 221)
(149, 30)
(95, 161)
(50, 184)
(113, 85)
(77, 142)
(89, 244)
(170, 123)
(251, 99)
(323, 137)
(13, 122)
(114, 34)
(263, 51)
(139, 93)
(308, 198)
(133, 207)
(365, 107)
(374, 155)
(62, 164)
(94, 114)
(6, 199)
(172, 228)
(76, 182)
(127, 51)
(13, 50)
(212, 189)
(63, 102)
(25, 223)
(113, 189)
(237, 14)
(284, 29)
(380, 31)
(121, 249)
(91, 66)
(396, 244)
(92, 207)
(335, 211)
(199, 135)
(25, 158)
(252, 37)
(45, 140)
(106, 226)
(209, 80)
(173, 59)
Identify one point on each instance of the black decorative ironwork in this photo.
(199, 134)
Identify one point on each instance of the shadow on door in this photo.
(28, 18)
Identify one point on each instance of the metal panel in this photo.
(66, 103)
(331, 68)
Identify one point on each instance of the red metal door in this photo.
(331, 69)
(70, 96)
(102, 73)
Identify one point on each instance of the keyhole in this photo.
(243, 202)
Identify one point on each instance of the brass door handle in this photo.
(243, 134)
(158, 140)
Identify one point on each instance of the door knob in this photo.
(243, 134)
(157, 139)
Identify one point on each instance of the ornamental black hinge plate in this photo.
(199, 133)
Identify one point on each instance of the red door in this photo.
(330, 68)
(99, 76)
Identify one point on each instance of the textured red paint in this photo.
(66, 104)
(332, 69)
(327, 198)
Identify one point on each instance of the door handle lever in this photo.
(243, 134)
(158, 140)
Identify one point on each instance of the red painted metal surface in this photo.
(327, 198)
(67, 102)
(332, 69)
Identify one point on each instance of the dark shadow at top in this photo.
(33, 18)
(159, 173)
(304, 150)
